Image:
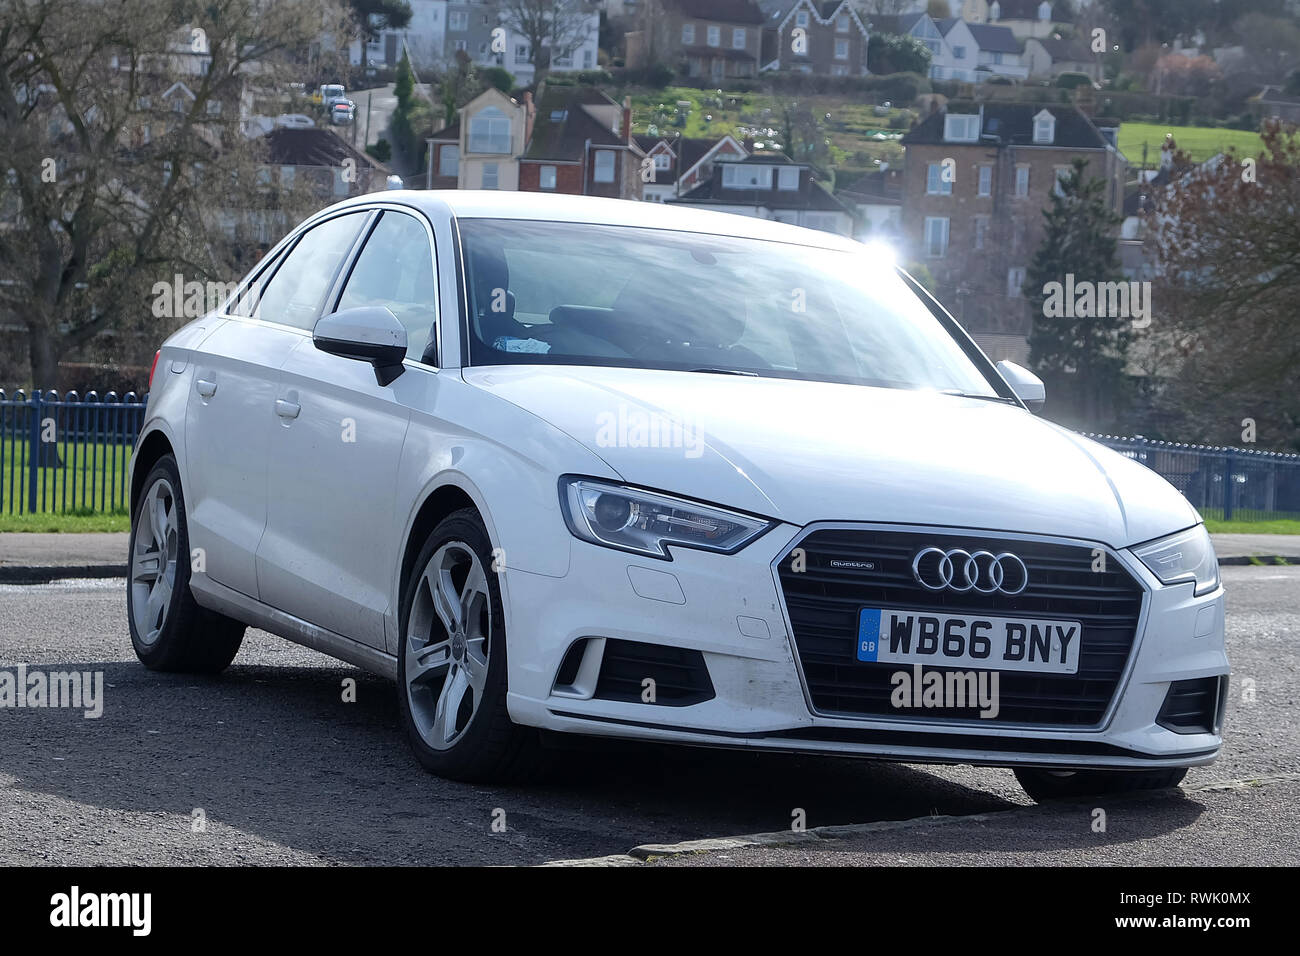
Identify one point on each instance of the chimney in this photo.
(530, 113)
(627, 119)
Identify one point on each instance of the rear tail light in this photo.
(154, 366)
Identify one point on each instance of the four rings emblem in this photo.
(983, 571)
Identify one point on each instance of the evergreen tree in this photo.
(1078, 344)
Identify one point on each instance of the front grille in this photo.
(823, 604)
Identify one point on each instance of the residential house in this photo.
(422, 39)
(470, 26)
(442, 158)
(802, 36)
(877, 198)
(998, 51)
(976, 180)
(967, 52)
(681, 163)
(718, 39)
(1272, 102)
(1025, 18)
(1046, 57)
(581, 143)
(494, 130)
(770, 186)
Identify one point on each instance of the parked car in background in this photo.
(329, 94)
(585, 466)
(343, 112)
(295, 121)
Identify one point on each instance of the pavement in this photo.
(282, 760)
(33, 558)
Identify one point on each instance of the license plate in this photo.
(893, 636)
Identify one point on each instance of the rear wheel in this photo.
(451, 663)
(1048, 785)
(169, 631)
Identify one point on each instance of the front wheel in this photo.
(451, 682)
(1047, 785)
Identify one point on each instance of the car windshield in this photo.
(579, 294)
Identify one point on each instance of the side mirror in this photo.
(1028, 387)
(369, 334)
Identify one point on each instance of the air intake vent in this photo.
(1194, 706)
(680, 676)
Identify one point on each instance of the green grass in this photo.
(66, 523)
(94, 472)
(1276, 526)
(1198, 142)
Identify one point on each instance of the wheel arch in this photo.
(443, 500)
(151, 447)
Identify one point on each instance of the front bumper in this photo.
(730, 608)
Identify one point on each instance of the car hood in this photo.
(816, 451)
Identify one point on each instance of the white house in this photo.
(423, 38)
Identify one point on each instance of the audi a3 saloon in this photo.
(562, 465)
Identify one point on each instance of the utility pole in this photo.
(368, 95)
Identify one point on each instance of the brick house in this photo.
(682, 163)
(827, 38)
(976, 180)
(718, 39)
(581, 144)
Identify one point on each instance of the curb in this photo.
(1268, 560)
(45, 574)
(649, 852)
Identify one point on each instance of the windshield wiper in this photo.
(724, 371)
(982, 398)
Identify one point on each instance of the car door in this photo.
(229, 415)
(332, 522)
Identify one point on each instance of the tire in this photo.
(451, 680)
(169, 631)
(1045, 786)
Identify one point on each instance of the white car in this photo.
(295, 121)
(596, 467)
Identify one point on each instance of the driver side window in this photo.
(395, 270)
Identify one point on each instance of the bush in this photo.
(1069, 81)
(382, 150)
(499, 77)
(595, 78)
(659, 76)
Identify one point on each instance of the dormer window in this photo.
(961, 127)
(1044, 127)
(995, 10)
(1045, 11)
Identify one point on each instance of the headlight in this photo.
(647, 522)
(1185, 556)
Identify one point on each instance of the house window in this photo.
(547, 177)
(738, 176)
(491, 175)
(936, 237)
(1022, 182)
(961, 127)
(842, 23)
(841, 49)
(738, 38)
(521, 52)
(462, 45)
(715, 36)
(588, 60)
(959, 52)
(801, 18)
(489, 132)
(981, 230)
(286, 177)
(787, 178)
(214, 107)
(1061, 173)
(688, 32)
(1044, 127)
(449, 161)
(1015, 281)
(935, 184)
(604, 166)
(986, 180)
(458, 20)
(663, 161)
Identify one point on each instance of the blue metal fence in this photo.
(1220, 482)
(66, 455)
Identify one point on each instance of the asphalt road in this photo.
(285, 771)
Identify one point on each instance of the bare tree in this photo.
(886, 8)
(120, 129)
(554, 29)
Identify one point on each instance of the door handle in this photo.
(287, 409)
(206, 389)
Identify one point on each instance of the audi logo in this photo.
(982, 571)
